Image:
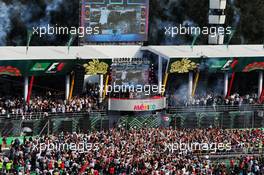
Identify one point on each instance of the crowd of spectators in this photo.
(140, 152)
(17, 106)
(51, 102)
(211, 99)
(86, 103)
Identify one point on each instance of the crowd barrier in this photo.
(220, 116)
(216, 108)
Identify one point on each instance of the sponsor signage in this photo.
(145, 107)
(43, 67)
(242, 64)
(55, 67)
(40, 66)
(48, 67)
(137, 104)
(9, 70)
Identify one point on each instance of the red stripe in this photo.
(261, 98)
(30, 89)
(231, 84)
(233, 65)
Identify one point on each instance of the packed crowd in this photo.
(9, 105)
(140, 152)
(211, 99)
(51, 102)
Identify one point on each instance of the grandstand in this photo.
(210, 63)
(114, 105)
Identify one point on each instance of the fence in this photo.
(45, 123)
(222, 116)
(216, 108)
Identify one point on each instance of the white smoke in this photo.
(52, 5)
(181, 93)
(236, 18)
(169, 7)
(5, 23)
(25, 13)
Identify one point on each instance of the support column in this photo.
(190, 87)
(225, 84)
(30, 89)
(260, 83)
(160, 74)
(25, 88)
(67, 86)
(101, 79)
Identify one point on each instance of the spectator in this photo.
(118, 151)
(211, 99)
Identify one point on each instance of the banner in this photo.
(36, 67)
(151, 104)
(184, 65)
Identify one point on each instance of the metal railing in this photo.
(220, 116)
(216, 108)
(170, 110)
(44, 115)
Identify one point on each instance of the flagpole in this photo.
(194, 39)
(71, 40)
(230, 37)
(29, 37)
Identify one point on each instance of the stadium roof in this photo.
(207, 51)
(84, 52)
(129, 51)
